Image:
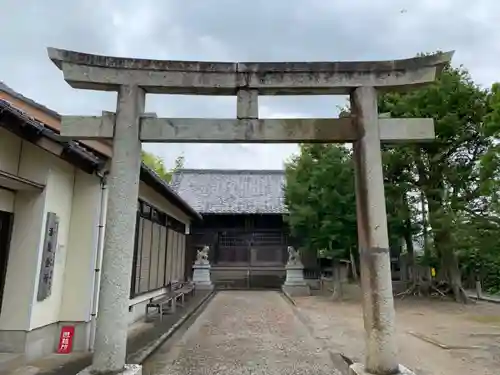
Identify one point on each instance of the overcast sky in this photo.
(236, 30)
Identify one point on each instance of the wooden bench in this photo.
(168, 302)
(180, 289)
(161, 304)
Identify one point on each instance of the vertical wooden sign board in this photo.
(48, 257)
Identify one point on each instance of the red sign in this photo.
(66, 340)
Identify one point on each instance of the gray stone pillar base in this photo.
(359, 369)
(128, 370)
(201, 277)
(295, 285)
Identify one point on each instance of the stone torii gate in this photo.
(129, 126)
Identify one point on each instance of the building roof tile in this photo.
(219, 191)
(31, 102)
(148, 176)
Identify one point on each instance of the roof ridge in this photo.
(47, 130)
(229, 171)
(16, 94)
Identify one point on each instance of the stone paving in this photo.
(243, 333)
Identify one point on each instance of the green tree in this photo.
(446, 191)
(451, 172)
(156, 164)
(320, 198)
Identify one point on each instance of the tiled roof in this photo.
(31, 102)
(148, 176)
(231, 191)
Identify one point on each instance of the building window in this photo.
(145, 210)
(159, 250)
(162, 218)
(176, 225)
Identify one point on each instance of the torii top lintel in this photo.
(88, 71)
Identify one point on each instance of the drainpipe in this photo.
(97, 261)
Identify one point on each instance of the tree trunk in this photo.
(337, 283)
(427, 252)
(408, 237)
(449, 263)
(433, 191)
(354, 269)
(479, 289)
(443, 245)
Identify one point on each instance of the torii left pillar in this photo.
(123, 184)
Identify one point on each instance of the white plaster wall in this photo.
(10, 147)
(75, 197)
(22, 263)
(6, 200)
(59, 196)
(82, 243)
(24, 159)
(35, 163)
(29, 221)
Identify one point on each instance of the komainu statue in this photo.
(202, 255)
(293, 256)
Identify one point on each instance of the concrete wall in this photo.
(83, 235)
(28, 325)
(20, 309)
(58, 199)
(7, 200)
(23, 262)
(10, 148)
(29, 218)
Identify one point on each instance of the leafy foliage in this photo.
(446, 191)
(156, 164)
(455, 170)
(320, 197)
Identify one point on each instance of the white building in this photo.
(45, 180)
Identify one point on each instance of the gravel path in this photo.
(244, 333)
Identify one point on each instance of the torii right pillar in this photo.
(376, 284)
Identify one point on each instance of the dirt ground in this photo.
(435, 337)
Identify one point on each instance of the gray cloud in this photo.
(241, 30)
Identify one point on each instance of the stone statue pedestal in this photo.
(359, 369)
(295, 285)
(201, 276)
